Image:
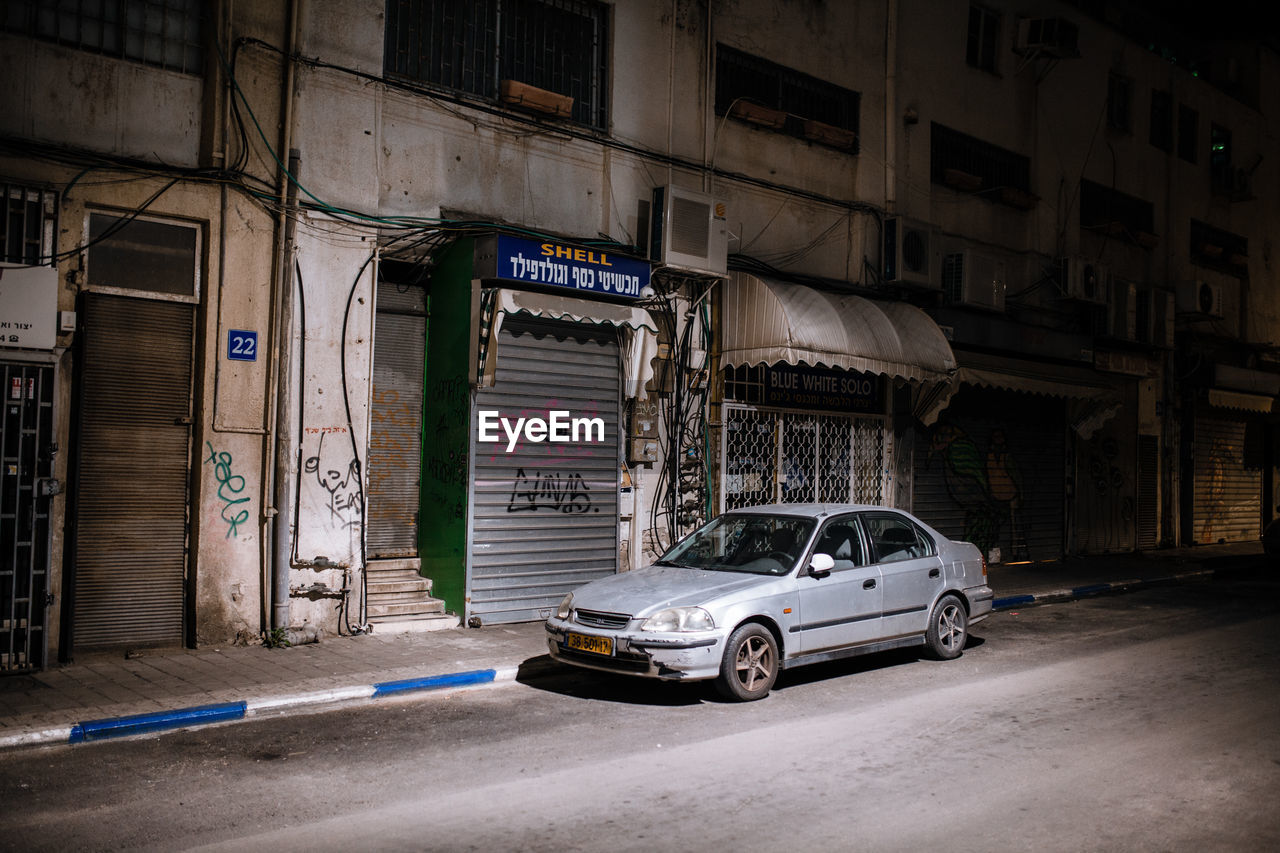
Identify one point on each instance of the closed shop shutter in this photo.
(1148, 491)
(1227, 491)
(996, 482)
(545, 516)
(133, 472)
(395, 430)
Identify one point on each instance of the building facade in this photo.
(324, 317)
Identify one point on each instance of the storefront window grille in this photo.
(165, 33)
(554, 45)
(773, 456)
(29, 221)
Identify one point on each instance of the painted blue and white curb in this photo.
(1090, 590)
(203, 715)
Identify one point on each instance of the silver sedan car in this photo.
(763, 589)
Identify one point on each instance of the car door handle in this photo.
(871, 584)
(933, 573)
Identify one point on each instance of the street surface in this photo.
(1144, 721)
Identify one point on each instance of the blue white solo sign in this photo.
(242, 345)
(573, 267)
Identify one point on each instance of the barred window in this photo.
(1161, 119)
(29, 220)
(474, 46)
(1118, 214)
(165, 33)
(1119, 95)
(792, 102)
(984, 35)
(970, 164)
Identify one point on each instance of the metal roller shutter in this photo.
(395, 430)
(998, 483)
(1228, 493)
(132, 477)
(545, 516)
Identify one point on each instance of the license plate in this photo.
(594, 645)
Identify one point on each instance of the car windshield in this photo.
(759, 544)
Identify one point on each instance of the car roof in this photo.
(807, 510)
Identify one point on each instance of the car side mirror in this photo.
(821, 565)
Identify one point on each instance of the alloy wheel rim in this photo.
(754, 662)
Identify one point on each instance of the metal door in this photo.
(395, 431)
(26, 487)
(132, 477)
(545, 515)
(1228, 484)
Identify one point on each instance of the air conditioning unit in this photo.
(1208, 297)
(1056, 37)
(911, 254)
(1085, 280)
(688, 230)
(1122, 311)
(969, 278)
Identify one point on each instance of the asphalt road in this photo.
(1144, 721)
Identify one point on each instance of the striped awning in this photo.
(637, 336)
(768, 321)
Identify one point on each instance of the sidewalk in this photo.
(103, 696)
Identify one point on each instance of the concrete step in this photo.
(430, 604)
(413, 624)
(378, 586)
(428, 607)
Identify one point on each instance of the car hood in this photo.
(645, 591)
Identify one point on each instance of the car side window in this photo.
(841, 540)
(895, 537)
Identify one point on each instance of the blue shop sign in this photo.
(822, 389)
(572, 267)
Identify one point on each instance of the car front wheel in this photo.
(750, 664)
(948, 628)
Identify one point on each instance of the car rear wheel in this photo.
(750, 664)
(948, 628)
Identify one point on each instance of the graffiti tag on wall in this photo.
(341, 485)
(561, 493)
(230, 487)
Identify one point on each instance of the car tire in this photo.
(749, 666)
(948, 628)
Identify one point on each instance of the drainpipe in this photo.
(890, 106)
(282, 535)
(282, 545)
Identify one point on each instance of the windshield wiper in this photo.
(674, 564)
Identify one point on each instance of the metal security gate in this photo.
(26, 485)
(1148, 498)
(132, 474)
(998, 483)
(1227, 488)
(545, 514)
(395, 430)
(780, 456)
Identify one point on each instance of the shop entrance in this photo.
(26, 487)
(775, 456)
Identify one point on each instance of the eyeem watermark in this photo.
(558, 427)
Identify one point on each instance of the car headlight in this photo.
(562, 612)
(679, 619)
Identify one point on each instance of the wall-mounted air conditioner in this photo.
(1122, 310)
(688, 230)
(1085, 280)
(911, 253)
(1047, 36)
(976, 280)
(1208, 297)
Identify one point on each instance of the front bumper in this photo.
(671, 656)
